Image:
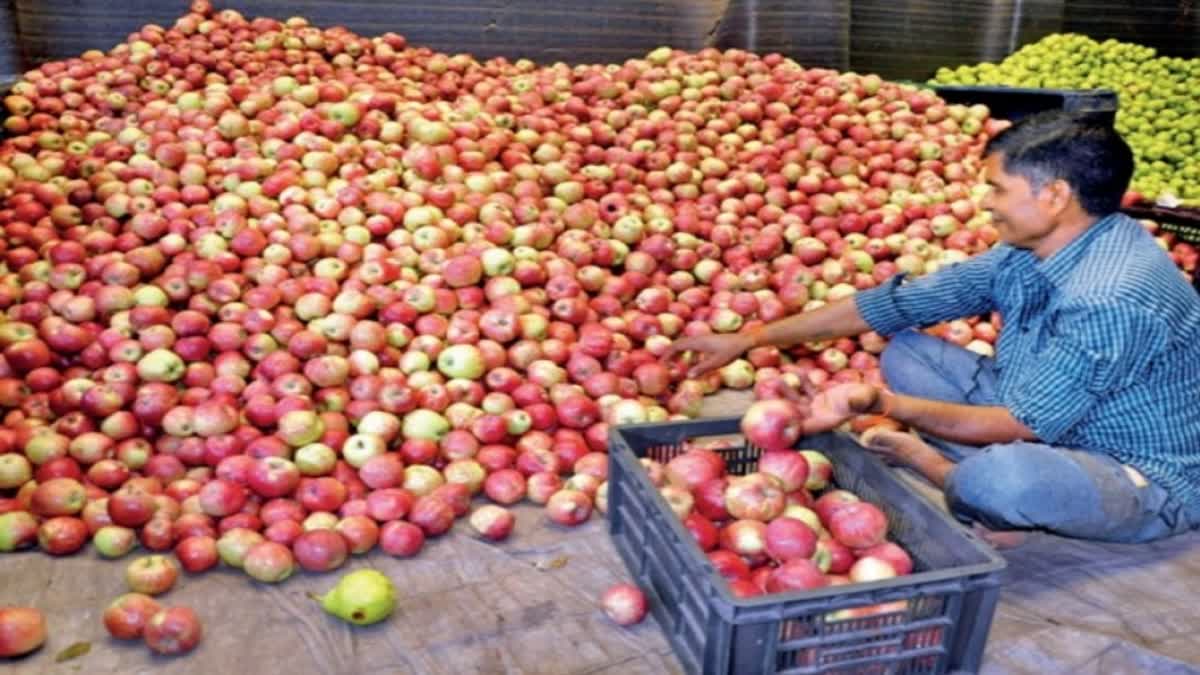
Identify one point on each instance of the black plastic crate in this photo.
(1183, 221)
(950, 597)
(1014, 103)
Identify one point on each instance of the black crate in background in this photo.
(1014, 103)
(951, 595)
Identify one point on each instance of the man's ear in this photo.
(1057, 195)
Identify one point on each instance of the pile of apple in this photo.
(1159, 111)
(783, 527)
(275, 295)
(267, 282)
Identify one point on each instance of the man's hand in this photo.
(830, 408)
(714, 350)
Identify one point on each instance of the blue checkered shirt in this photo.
(1100, 345)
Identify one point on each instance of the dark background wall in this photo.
(904, 39)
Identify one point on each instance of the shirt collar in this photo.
(1059, 266)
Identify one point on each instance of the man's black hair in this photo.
(1078, 148)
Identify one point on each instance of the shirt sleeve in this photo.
(963, 289)
(1090, 352)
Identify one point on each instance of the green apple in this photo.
(160, 365)
(461, 361)
(424, 424)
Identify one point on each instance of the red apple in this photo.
(833, 557)
(269, 562)
(492, 522)
(710, 499)
(62, 535)
(457, 495)
(755, 496)
(505, 487)
(624, 604)
(434, 516)
(284, 532)
(197, 553)
(703, 530)
(131, 508)
(541, 485)
(401, 539)
(744, 588)
(114, 541)
(790, 539)
(858, 525)
(219, 498)
(382, 471)
(126, 617)
(869, 568)
(18, 530)
(59, 497)
(158, 534)
(320, 550)
(360, 532)
(729, 564)
(593, 464)
(152, 575)
(745, 537)
(569, 507)
(678, 499)
(832, 501)
(234, 543)
(389, 504)
(820, 470)
(273, 477)
(172, 631)
(22, 630)
(788, 466)
(795, 575)
(891, 553)
(694, 467)
(773, 424)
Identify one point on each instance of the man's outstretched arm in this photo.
(971, 424)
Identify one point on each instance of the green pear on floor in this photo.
(362, 597)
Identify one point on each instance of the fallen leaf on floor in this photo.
(552, 564)
(73, 652)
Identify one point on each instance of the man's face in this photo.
(1022, 216)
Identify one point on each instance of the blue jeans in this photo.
(1026, 485)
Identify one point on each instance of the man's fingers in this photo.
(676, 347)
(792, 395)
(861, 398)
(810, 388)
(706, 364)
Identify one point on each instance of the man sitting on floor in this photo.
(1087, 422)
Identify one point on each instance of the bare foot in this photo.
(907, 449)
(1000, 539)
(894, 447)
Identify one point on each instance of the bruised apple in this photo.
(755, 496)
(788, 467)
